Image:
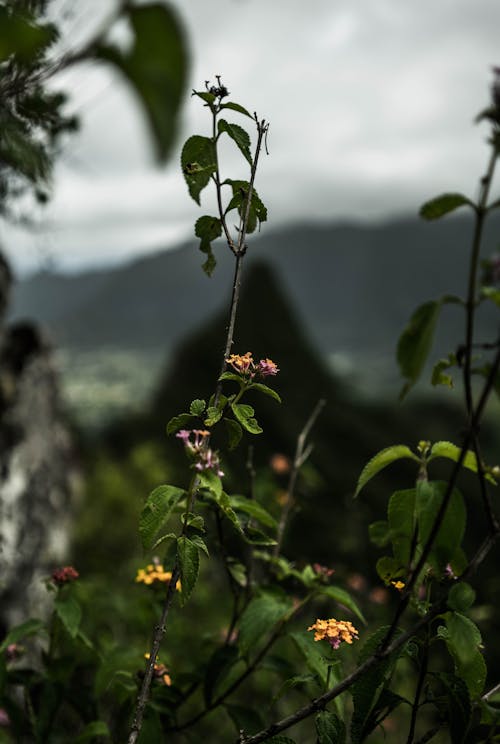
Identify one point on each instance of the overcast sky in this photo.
(371, 104)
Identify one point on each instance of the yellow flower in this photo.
(399, 585)
(155, 573)
(334, 631)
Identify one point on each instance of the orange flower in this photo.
(334, 631)
(154, 573)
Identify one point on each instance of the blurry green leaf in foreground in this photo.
(415, 342)
(156, 66)
(443, 204)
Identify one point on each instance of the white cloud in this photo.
(371, 107)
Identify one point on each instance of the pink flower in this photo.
(267, 367)
(64, 575)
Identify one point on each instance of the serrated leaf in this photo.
(200, 544)
(156, 66)
(329, 728)
(197, 407)
(208, 229)
(234, 432)
(266, 390)
(224, 505)
(179, 422)
(164, 538)
(443, 204)
(25, 630)
(244, 415)
(198, 161)
(390, 569)
(463, 641)
(311, 651)
(449, 537)
(451, 452)
(401, 518)
(254, 536)
(238, 135)
(92, 730)
(189, 565)
(209, 480)
(257, 212)
(381, 460)
(461, 597)
(204, 95)
(236, 107)
(69, 612)
(213, 416)
(193, 520)
(415, 343)
(253, 509)
(259, 619)
(156, 511)
(368, 689)
(342, 597)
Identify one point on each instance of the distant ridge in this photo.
(354, 286)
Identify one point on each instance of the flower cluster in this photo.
(196, 443)
(323, 571)
(245, 365)
(64, 575)
(160, 671)
(155, 573)
(334, 631)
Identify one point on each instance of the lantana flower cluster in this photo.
(245, 365)
(334, 631)
(154, 573)
(64, 575)
(196, 443)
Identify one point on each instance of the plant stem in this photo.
(418, 691)
(301, 455)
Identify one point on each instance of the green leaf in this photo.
(213, 415)
(157, 510)
(390, 569)
(415, 343)
(342, 597)
(200, 544)
(443, 204)
(209, 480)
(179, 422)
(379, 533)
(452, 452)
(236, 107)
(257, 212)
(266, 390)
(245, 719)
(198, 161)
(208, 229)
(25, 630)
(491, 293)
(189, 565)
(234, 432)
(401, 517)
(204, 95)
(231, 376)
(238, 135)
(438, 373)
(254, 536)
(329, 728)
(367, 690)
(244, 415)
(463, 641)
(156, 66)
(69, 612)
(449, 537)
(91, 730)
(197, 407)
(21, 37)
(461, 597)
(224, 505)
(311, 651)
(260, 618)
(195, 521)
(253, 509)
(455, 705)
(381, 460)
(221, 662)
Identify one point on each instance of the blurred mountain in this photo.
(354, 287)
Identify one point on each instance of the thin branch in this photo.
(418, 691)
(301, 454)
